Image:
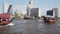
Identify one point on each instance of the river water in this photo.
(31, 27)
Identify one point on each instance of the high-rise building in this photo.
(28, 11)
(39, 13)
(31, 11)
(5, 7)
(10, 10)
(29, 7)
(35, 12)
(56, 11)
(30, 4)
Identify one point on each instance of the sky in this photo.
(21, 5)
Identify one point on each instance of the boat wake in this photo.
(10, 24)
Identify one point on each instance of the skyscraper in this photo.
(29, 7)
(36, 12)
(5, 7)
(10, 10)
(54, 12)
(57, 12)
(30, 4)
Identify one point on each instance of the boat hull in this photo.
(4, 19)
(4, 22)
(49, 20)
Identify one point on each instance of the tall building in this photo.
(10, 10)
(30, 4)
(29, 7)
(5, 7)
(57, 12)
(28, 11)
(39, 13)
(35, 12)
(54, 12)
(31, 11)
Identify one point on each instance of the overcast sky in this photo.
(22, 4)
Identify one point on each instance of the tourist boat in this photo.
(49, 20)
(4, 19)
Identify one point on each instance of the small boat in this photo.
(49, 20)
(4, 19)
